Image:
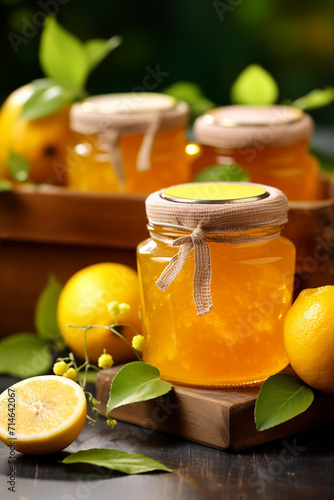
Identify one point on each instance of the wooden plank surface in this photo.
(219, 418)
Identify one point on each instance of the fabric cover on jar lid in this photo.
(113, 115)
(226, 212)
(245, 126)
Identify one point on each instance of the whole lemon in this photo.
(309, 337)
(42, 142)
(83, 301)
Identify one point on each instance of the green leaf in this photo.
(43, 102)
(137, 381)
(129, 463)
(254, 86)
(46, 310)
(185, 91)
(229, 173)
(5, 185)
(98, 49)
(63, 56)
(24, 355)
(326, 161)
(18, 167)
(318, 98)
(192, 94)
(281, 398)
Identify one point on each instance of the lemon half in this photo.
(42, 415)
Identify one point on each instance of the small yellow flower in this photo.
(112, 422)
(59, 368)
(124, 309)
(138, 342)
(71, 373)
(113, 308)
(105, 361)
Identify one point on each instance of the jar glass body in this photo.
(240, 341)
(89, 167)
(290, 168)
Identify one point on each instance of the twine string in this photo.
(202, 274)
(110, 143)
(145, 151)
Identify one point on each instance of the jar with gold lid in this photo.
(216, 282)
(128, 143)
(270, 142)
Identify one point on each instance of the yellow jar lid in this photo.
(211, 192)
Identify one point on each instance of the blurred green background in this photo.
(205, 41)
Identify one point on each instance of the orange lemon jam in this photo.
(292, 169)
(90, 169)
(128, 143)
(240, 341)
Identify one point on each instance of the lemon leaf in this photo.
(129, 463)
(18, 167)
(326, 162)
(43, 102)
(192, 94)
(46, 310)
(24, 355)
(229, 173)
(135, 382)
(63, 56)
(281, 398)
(255, 86)
(97, 49)
(318, 98)
(5, 185)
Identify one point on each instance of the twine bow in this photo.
(202, 274)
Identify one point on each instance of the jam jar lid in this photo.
(246, 126)
(128, 113)
(218, 207)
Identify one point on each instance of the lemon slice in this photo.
(41, 415)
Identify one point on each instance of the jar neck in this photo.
(165, 233)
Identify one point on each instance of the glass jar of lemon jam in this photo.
(216, 282)
(128, 143)
(270, 142)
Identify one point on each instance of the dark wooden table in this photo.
(298, 467)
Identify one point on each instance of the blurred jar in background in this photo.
(270, 142)
(128, 143)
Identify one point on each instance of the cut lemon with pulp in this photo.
(41, 415)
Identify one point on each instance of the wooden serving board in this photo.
(219, 418)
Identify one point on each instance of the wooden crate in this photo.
(47, 229)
